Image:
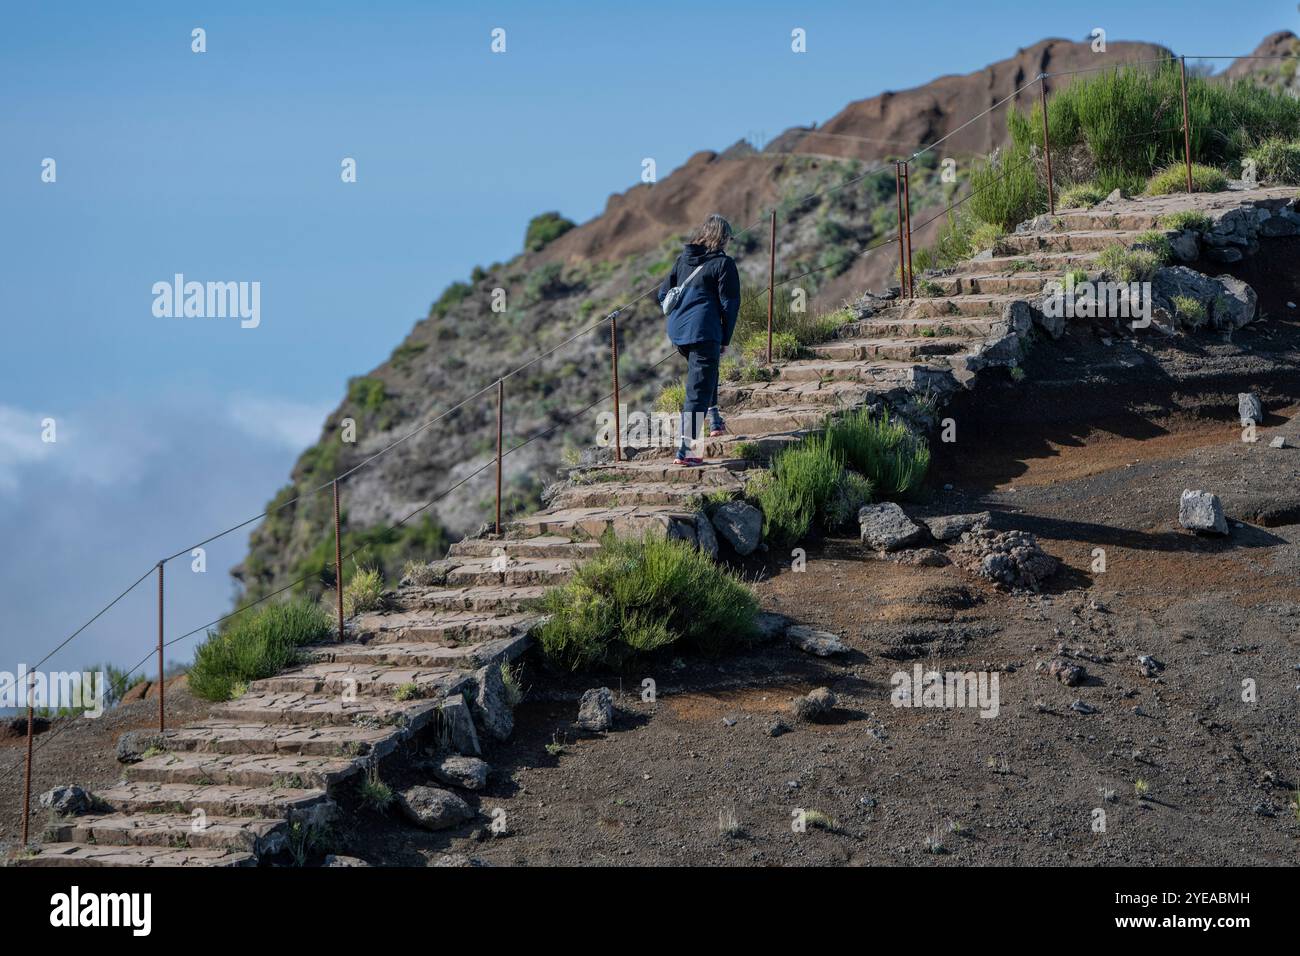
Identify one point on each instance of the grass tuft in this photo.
(884, 450)
(1173, 179)
(255, 645)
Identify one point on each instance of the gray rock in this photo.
(1201, 511)
(491, 704)
(334, 860)
(816, 704)
(1186, 245)
(457, 726)
(433, 574)
(705, 539)
(1067, 672)
(133, 744)
(1011, 558)
(920, 557)
(67, 800)
(886, 527)
(1235, 305)
(952, 527)
(468, 773)
(1279, 441)
(1249, 408)
(777, 727)
(771, 626)
(1018, 316)
(596, 710)
(1082, 707)
(433, 808)
(740, 525)
(817, 643)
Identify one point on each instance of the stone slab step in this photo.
(254, 835)
(85, 854)
(235, 737)
(761, 447)
(516, 571)
(298, 771)
(318, 710)
(871, 372)
(1036, 262)
(343, 678)
(1093, 240)
(490, 598)
(850, 350)
(1023, 284)
(623, 521)
(215, 800)
(787, 392)
(962, 326)
(651, 470)
(428, 654)
(432, 624)
(952, 305)
(541, 546)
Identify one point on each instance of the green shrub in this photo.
(1187, 219)
(451, 296)
(1173, 179)
(1277, 161)
(365, 592)
(1128, 265)
(798, 490)
(784, 347)
(1006, 192)
(638, 596)
(375, 794)
(807, 328)
(545, 229)
(1128, 184)
(1081, 196)
(893, 459)
(673, 398)
(853, 491)
(1193, 310)
(1156, 241)
(255, 645)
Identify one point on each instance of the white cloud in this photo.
(100, 447)
(289, 424)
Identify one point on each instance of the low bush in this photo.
(256, 644)
(883, 449)
(1186, 219)
(545, 229)
(365, 592)
(1277, 161)
(784, 347)
(1082, 196)
(1006, 192)
(1128, 265)
(1173, 179)
(673, 397)
(638, 596)
(1156, 241)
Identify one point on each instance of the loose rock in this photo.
(468, 773)
(491, 702)
(133, 744)
(1009, 558)
(67, 800)
(816, 704)
(433, 808)
(1249, 408)
(1202, 511)
(1067, 672)
(952, 527)
(817, 643)
(739, 524)
(457, 726)
(596, 711)
(886, 527)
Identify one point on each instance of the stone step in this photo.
(234, 737)
(1092, 220)
(648, 470)
(613, 494)
(490, 598)
(427, 654)
(958, 326)
(849, 350)
(785, 392)
(215, 800)
(624, 521)
(318, 710)
(1082, 241)
(432, 624)
(541, 546)
(1031, 262)
(760, 447)
(1022, 284)
(172, 831)
(87, 854)
(877, 373)
(544, 571)
(297, 771)
(366, 680)
(953, 305)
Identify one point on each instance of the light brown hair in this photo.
(713, 234)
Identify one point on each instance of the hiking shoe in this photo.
(718, 432)
(688, 461)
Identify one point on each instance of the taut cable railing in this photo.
(902, 235)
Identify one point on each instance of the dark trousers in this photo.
(701, 386)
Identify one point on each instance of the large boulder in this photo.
(1249, 408)
(457, 726)
(740, 525)
(433, 808)
(468, 773)
(67, 800)
(886, 527)
(1235, 305)
(705, 539)
(596, 710)
(1202, 511)
(491, 704)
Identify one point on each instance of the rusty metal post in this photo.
(771, 284)
(338, 560)
(27, 785)
(1187, 126)
(613, 349)
(162, 710)
(902, 255)
(501, 398)
(907, 216)
(1047, 144)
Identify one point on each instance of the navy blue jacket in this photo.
(708, 307)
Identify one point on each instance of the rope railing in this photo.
(902, 235)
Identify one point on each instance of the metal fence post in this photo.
(902, 254)
(771, 284)
(1187, 126)
(907, 215)
(613, 349)
(27, 786)
(338, 560)
(162, 684)
(1047, 144)
(501, 399)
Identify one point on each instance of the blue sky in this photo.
(225, 166)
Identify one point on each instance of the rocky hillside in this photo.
(565, 281)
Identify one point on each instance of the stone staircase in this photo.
(280, 754)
